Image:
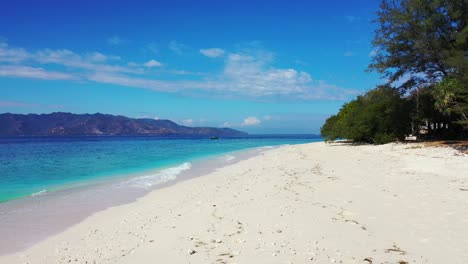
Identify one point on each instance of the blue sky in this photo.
(257, 66)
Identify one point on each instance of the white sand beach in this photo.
(311, 203)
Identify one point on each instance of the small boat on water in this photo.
(214, 138)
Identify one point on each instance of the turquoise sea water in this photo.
(34, 165)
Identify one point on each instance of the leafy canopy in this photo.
(379, 116)
(421, 41)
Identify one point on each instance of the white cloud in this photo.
(202, 120)
(70, 59)
(254, 76)
(152, 63)
(15, 104)
(248, 74)
(177, 47)
(148, 117)
(97, 57)
(12, 55)
(226, 124)
(212, 52)
(243, 75)
(115, 40)
(251, 121)
(34, 73)
(187, 122)
(102, 77)
(349, 54)
(152, 47)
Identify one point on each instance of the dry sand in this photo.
(311, 203)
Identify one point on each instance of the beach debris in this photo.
(191, 252)
(395, 249)
(229, 255)
(368, 259)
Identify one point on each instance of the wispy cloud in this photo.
(248, 73)
(152, 63)
(177, 47)
(147, 116)
(15, 104)
(251, 121)
(70, 59)
(247, 122)
(94, 61)
(226, 124)
(99, 57)
(9, 54)
(34, 73)
(123, 80)
(152, 47)
(212, 52)
(115, 41)
(187, 122)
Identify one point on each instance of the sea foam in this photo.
(39, 193)
(169, 174)
(228, 157)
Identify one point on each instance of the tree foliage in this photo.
(421, 41)
(421, 49)
(379, 116)
(451, 97)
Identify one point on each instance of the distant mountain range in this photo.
(62, 124)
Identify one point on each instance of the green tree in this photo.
(379, 116)
(424, 43)
(421, 41)
(330, 130)
(450, 96)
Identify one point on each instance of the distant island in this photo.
(63, 124)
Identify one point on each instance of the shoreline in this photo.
(316, 202)
(29, 220)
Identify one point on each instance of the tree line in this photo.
(421, 49)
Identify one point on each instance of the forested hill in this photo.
(99, 124)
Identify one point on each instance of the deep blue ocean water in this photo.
(33, 165)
